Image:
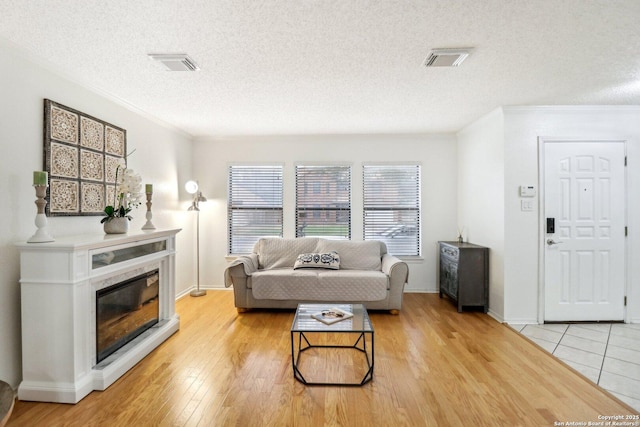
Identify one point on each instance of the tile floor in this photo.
(606, 353)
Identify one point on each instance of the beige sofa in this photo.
(366, 274)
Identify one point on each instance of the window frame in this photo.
(274, 174)
(323, 214)
(394, 208)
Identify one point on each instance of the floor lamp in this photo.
(192, 188)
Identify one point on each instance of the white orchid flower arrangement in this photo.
(128, 195)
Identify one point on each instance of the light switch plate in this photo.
(526, 205)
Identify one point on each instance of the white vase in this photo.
(117, 226)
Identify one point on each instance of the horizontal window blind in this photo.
(254, 205)
(391, 202)
(323, 201)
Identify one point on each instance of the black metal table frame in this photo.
(359, 345)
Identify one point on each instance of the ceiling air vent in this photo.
(446, 57)
(175, 61)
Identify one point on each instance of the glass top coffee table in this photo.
(315, 339)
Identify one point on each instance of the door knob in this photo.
(552, 242)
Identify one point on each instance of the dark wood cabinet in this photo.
(464, 274)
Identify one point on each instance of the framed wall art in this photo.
(81, 154)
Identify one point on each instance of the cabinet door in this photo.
(449, 277)
(472, 274)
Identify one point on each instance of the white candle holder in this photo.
(149, 225)
(42, 234)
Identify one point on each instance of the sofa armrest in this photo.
(397, 270)
(240, 268)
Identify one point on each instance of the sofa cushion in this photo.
(283, 283)
(354, 255)
(329, 260)
(319, 285)
(354, 285)
(274, 252)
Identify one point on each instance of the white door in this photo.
(584, 239)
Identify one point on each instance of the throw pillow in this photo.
(330, 260)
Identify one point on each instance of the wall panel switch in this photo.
(526, 205)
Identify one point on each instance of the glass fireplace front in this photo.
(124, 311)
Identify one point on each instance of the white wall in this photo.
(523, 126)
(497, 154)
(162, 157)
(436, 152)
(481, 196)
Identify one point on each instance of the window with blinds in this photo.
(254, 205)
(323, 201)
(391, 203)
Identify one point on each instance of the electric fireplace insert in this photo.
(124, 311)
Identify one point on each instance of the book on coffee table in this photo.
(332, 315)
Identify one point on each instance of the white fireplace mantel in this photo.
(58, 283)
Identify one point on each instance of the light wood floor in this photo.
(433, 367)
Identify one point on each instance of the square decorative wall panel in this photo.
(81, 154)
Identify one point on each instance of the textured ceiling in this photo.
(339, 66)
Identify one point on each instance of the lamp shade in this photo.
(191, 187)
